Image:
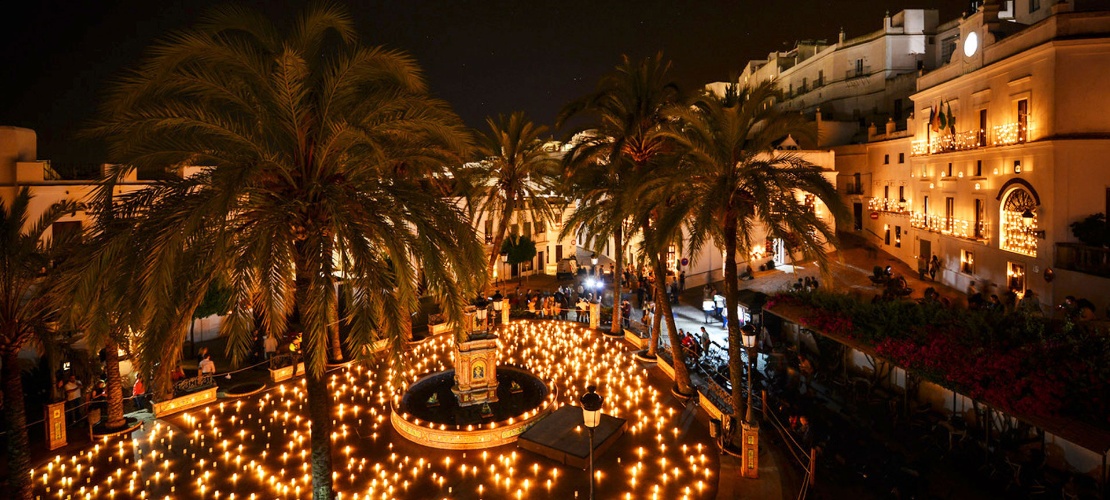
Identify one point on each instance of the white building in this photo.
(1031, 138)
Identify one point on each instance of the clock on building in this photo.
(971, 44)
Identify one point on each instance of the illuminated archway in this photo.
(1015, 233)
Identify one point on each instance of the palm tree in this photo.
(739, 187)
(316, 154)
(26, 312)
(626, 137)
(94, 296)
(516, 173)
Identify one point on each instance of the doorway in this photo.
(857, 216)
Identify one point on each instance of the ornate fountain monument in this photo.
(478, 404)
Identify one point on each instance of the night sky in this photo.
(484, 57)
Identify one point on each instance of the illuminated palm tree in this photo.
(26, 312)
(516, 173)
(737, 187)
(625, 136)
(315, 156)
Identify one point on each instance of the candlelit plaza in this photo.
(257, 447)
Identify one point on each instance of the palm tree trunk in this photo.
(319, 397)
(735, 343)
(656, 327)
(681, 374)
(15, 420)
(319, 411)
(113, 386)
(499, 237)
(618, 241)
(336, 348)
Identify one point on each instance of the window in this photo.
(925, 205)
(1034, 5)
(859, 189)
(859, 67)
(528, 229)
(515, 229)
(820, 78)
(898, 236)
(540, 227)
(980, 212)
(949, 170)
(887, 238)
(886, 159)
(978, 168)
(967, 262)
(1015, 277)
(886, 192)
(982, 138)
(901, 157)
(901, 193)
(489, 231)
(1023, 120)
(949, 212)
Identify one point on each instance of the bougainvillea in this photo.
(1025, 365)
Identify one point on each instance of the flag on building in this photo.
(951, 119)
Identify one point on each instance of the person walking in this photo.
(934, 266)
(682, 281)
(708, 308)
(704, 341)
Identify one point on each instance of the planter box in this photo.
(438, 329)
(193, 400)
(667, 368)
(286, 372)
(635, 339)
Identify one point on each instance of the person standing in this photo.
(704, 341)
(138, 391)
(934, 266)
(207, 366)
(718, 303)
(682, 281)
(73, 398)
(270, 346)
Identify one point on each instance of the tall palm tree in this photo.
(516, 173)
(600, 209)
(739, 187)
(315, 154)
(624, 136)
(94, 296)
(26, 311)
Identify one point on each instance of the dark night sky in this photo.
(484, 57)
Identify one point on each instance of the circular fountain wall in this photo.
(522, 400)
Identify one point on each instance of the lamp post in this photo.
(505, 260)
(750, 429)
(591, 417)
(480, 315)
(593, 264)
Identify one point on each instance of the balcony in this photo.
(857, 72)
(1011, 133)
(1083, 259)
(854, 189)
(961, 141)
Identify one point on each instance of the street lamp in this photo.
(747, 332)
(591, 417)
(480, 314)
(505, 260)
(750, 431)
(593, 262)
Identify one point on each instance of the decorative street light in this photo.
(480, 315)
(591, 417)
(505, 260)
(747, 332)
(593, 262)
(1027, 218)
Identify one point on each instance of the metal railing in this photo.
(1084, 259)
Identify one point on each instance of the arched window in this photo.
(1016, 234)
